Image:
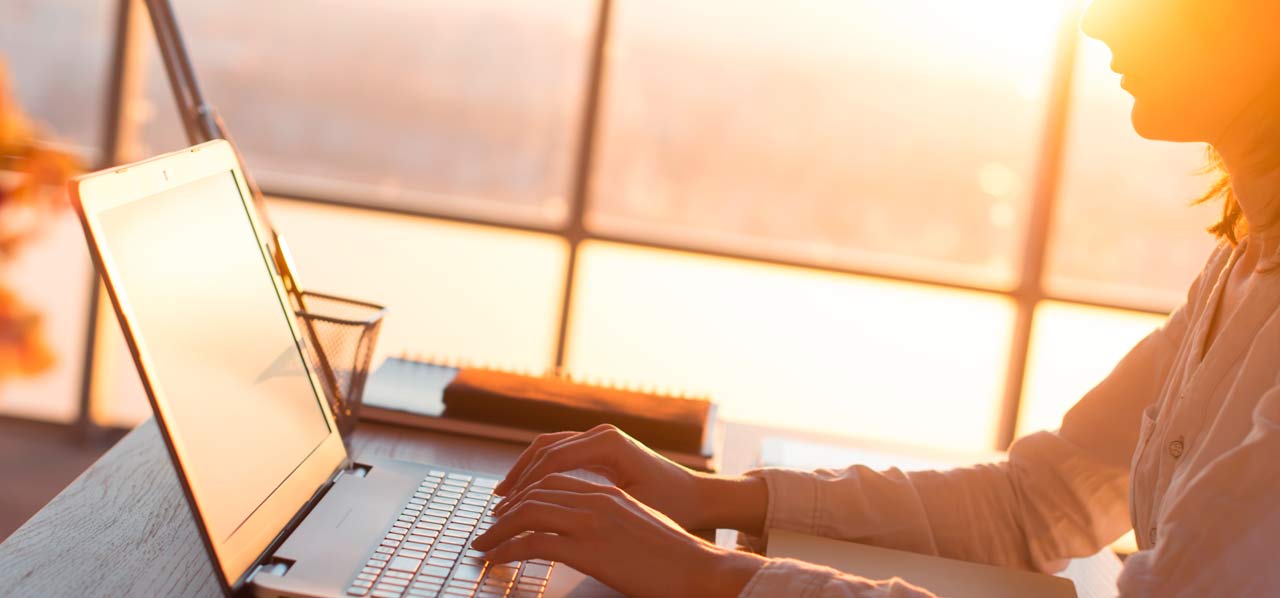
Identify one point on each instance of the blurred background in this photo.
(926, 222)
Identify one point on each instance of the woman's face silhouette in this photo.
(1198, 70)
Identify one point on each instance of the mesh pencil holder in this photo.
(340, 335)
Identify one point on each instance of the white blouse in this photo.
(1179, 443)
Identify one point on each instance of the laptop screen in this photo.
(240, 408)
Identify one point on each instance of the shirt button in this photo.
(1151, 535)
(1176, 447)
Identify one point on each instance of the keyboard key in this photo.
(536, 570)
(380, 557)
(385, 550)
(451, 549)
(385, 594)
(437, 512)
(430, 519)
(504, 572)
(426, 525)
(401, 563)
(417, 538)
(470, 522)
(447, 494)
(375, 563)
(485, 482)
(398, 574)
(427, 585)
(392, 583)
(415, 546)
(475, 502)
(413, 554)
(422, 593)
(366, 577)
(356, 591)
(447, 539)
(391, 543)
(459, 476)
(439, 562)
(468, 572)
(434, 571)
(435, 473)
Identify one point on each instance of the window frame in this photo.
(124, 89)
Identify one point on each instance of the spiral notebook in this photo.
(516, 407)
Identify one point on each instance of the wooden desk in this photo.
(123, 527)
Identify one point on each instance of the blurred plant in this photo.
(33, 183)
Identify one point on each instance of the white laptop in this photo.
(281, 508)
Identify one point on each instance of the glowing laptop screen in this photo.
(239, 406)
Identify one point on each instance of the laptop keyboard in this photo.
(427, 552)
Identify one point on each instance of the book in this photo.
(517, 407)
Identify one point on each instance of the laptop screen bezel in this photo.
(234, 557)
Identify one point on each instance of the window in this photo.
(790, 207)
(890, 136)
(799, 349)
(457, 107)
(55, 54)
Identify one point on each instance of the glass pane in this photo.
(796, 348)
(58, 53)
(462, 107)
(887, 135)
(1124, 231)
(454, 291)
(49, 280)
(1072, 349)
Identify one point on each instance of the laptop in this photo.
(281, 507)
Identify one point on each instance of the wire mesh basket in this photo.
(340, 335)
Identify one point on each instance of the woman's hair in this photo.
(1232, 226)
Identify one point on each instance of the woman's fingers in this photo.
(538, 443)
(597, 449)
(530, 516)
(555, 481)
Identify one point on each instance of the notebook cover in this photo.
(546, 404)
(409, 392)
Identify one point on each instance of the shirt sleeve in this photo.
(1220, 537)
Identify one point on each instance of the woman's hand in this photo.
(607, 534)
(694, 501)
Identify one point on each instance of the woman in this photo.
(1181, 442)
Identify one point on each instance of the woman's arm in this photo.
(1058, 496)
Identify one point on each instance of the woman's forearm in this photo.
(732, 502)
